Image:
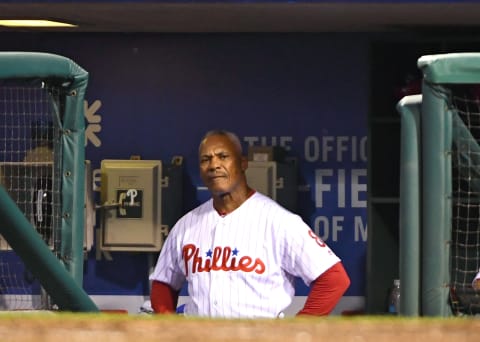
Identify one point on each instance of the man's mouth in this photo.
(215, 178)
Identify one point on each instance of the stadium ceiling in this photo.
(249, 16)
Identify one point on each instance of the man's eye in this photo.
(223, 156)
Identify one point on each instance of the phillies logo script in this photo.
(220, 259)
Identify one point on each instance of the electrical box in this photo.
(131, 195)
(266, 153)
(271, 173)
(172, 192)
(262, 176)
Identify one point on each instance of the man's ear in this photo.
(244, 163)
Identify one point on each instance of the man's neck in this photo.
(226, 203)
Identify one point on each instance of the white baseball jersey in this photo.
(241, 265)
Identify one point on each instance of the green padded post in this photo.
(45, 66)
(38, 258)
(410, 203)
(438, 72)
(436, 208)
(454, 68)
(73, 178)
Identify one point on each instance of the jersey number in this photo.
(316, 238)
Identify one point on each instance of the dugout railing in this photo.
(42, 195)
(439, 217)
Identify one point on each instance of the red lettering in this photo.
(261, 266)
(316, 238)
(217, 255)
(206, 268)
(187, 252)
(245, 264)
(197, 262)
(233, 267)
(227, 251)
(221, 260)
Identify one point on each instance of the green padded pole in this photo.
(451, 68)
(73, 181)
(410, 214)
(38, 258)
(436, 208)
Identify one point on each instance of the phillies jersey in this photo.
(243, 264)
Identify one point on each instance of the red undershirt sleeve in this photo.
(326, 291)
(163, 298)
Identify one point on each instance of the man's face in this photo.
(221, 165)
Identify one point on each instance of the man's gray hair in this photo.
(232, 136)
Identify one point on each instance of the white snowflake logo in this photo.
(93, 119)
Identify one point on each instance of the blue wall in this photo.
(154, 95)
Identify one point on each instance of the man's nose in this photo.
(214, 163)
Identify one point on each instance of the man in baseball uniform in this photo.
(240, 251)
